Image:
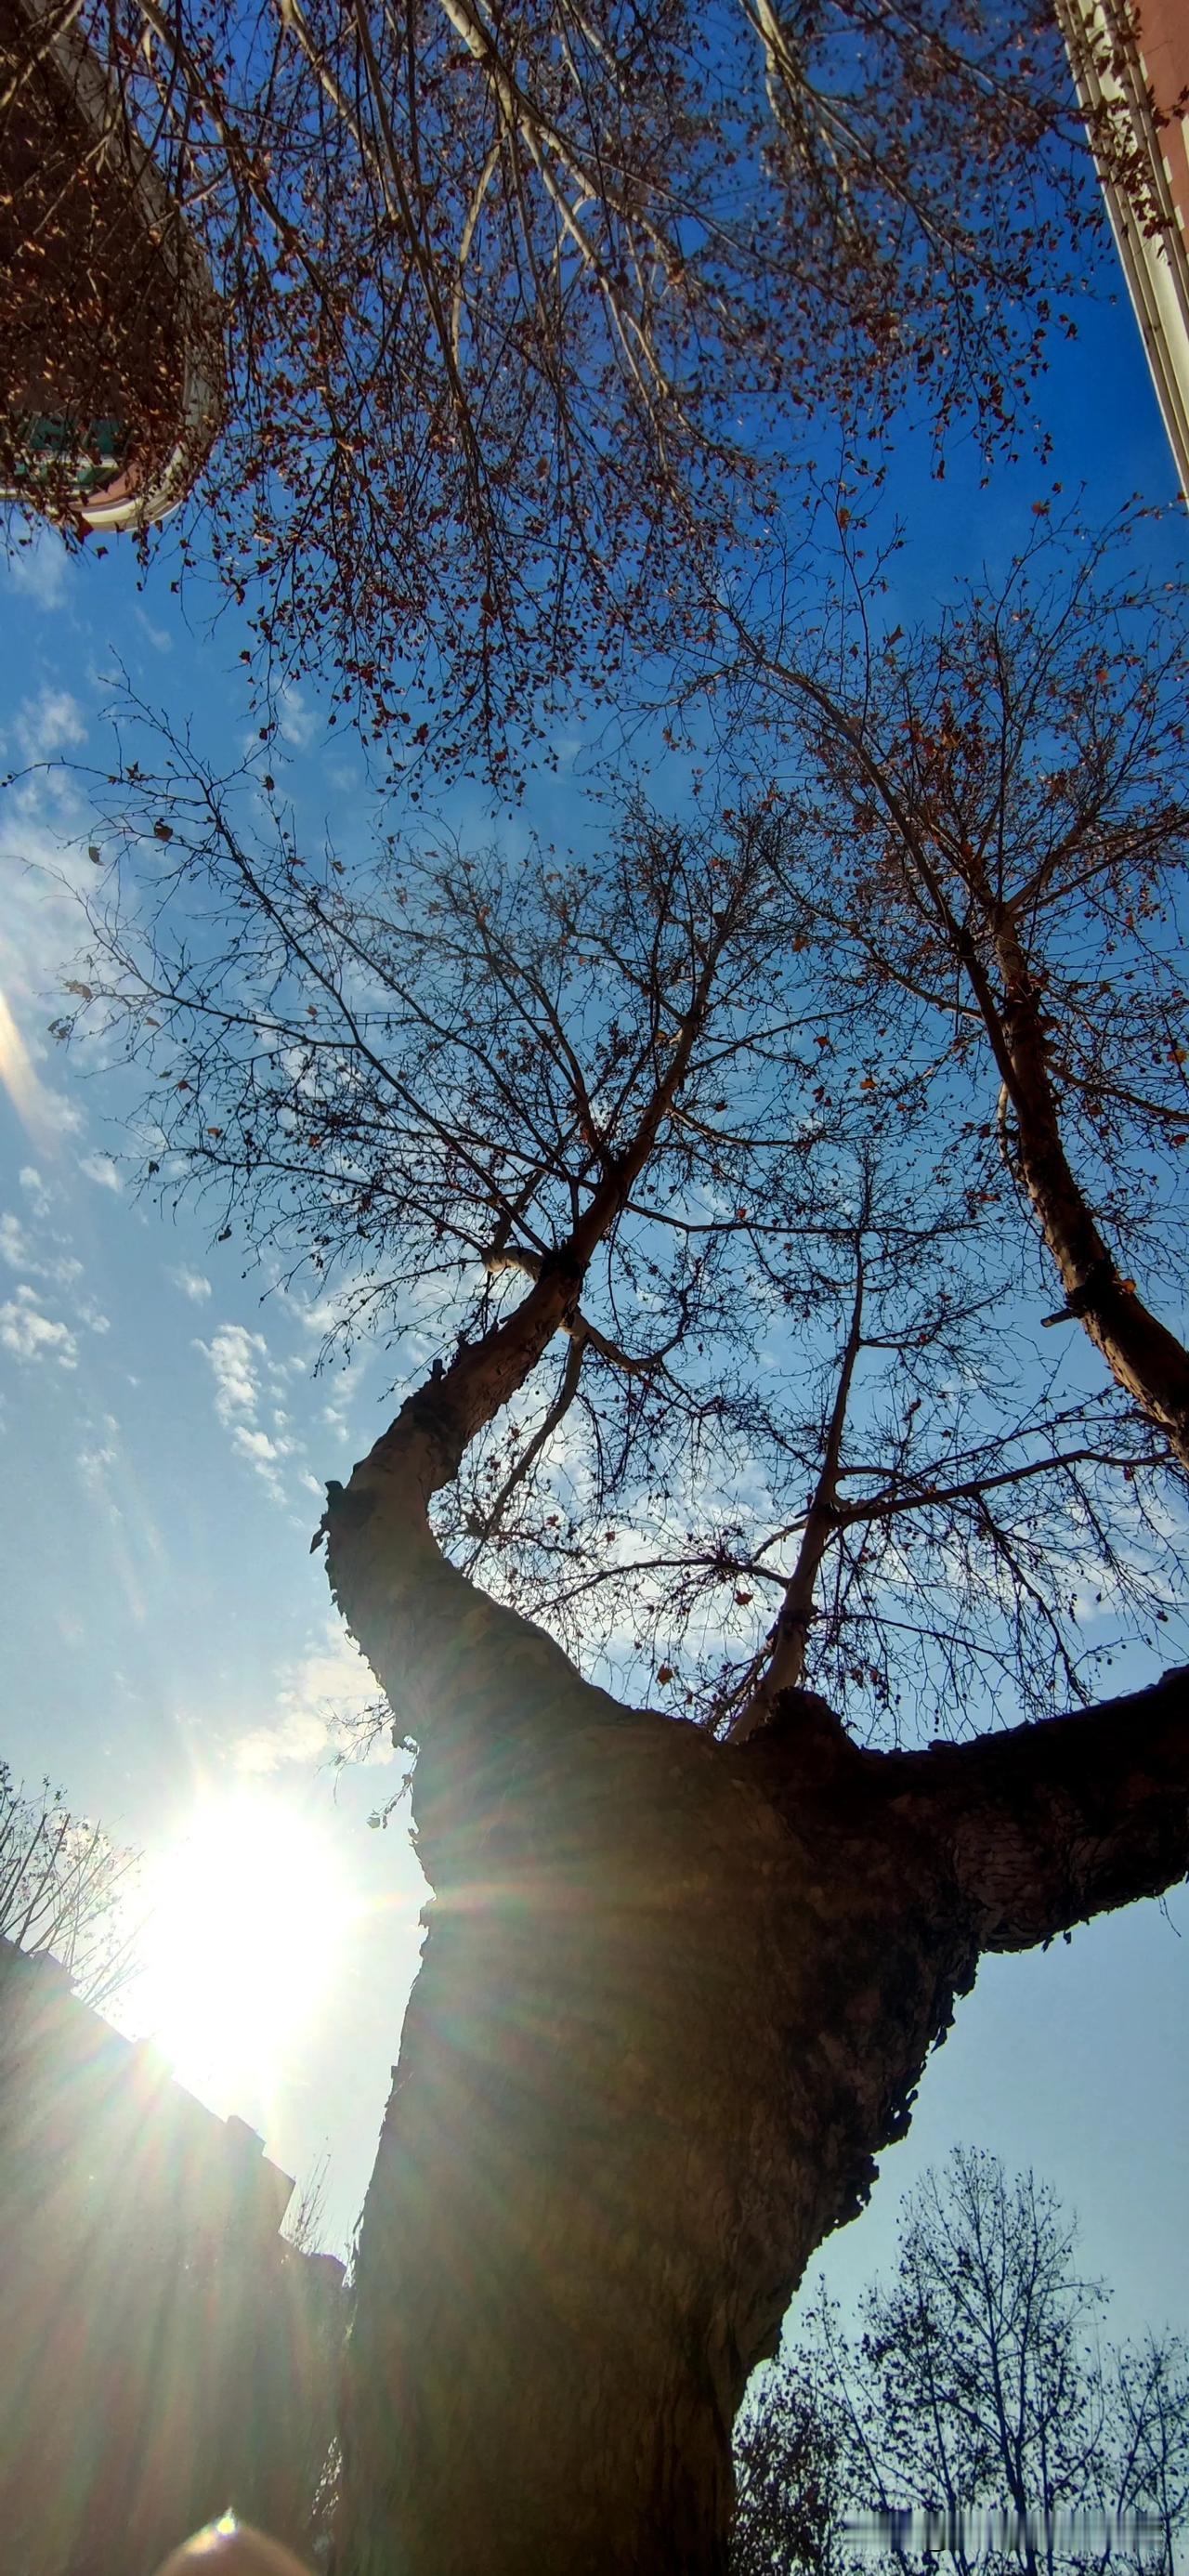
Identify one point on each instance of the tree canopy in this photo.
(808, 1418)
(537, 317)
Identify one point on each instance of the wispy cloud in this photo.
(45, 871)
(30, 1335)
(37, 567)
(327, 1685)
(14, 1243)
(42, 1112)
(235, 1356)
(100, 1452)
(246, 1386)
(158, 636)
(254, 1444)
(191, 1283)
(298, 722)
(101, 1169)
(51, 722)
(34, 1245)
(29, 1253)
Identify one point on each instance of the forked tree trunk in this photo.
(674, 1998)
(657, 2031)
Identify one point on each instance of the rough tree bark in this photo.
(675, 1997)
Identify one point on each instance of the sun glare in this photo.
(246, 1917)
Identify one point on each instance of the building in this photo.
(1131, 64)
(110, 344)
(164, 2353)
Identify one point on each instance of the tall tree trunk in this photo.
(1146, 1360)
(674, 1997)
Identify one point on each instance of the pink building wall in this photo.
(1130, 59)
(1164, 49)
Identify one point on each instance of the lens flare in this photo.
(18, 1077)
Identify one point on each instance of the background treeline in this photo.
(977, 2376)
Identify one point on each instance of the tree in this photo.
(677, 1990)
(977, 2383)
(999, 836)
(1152, 2414)
(307, 2356)
(790, 2499)
(64, 1888)
(450, 1052)
(530, 309)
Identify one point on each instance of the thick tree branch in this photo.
(438, 1646)
(797, 1609)
(514, 1256)
(485, 1528)
(1047, 1825)
(1141, 1353)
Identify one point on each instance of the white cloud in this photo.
(30, 1335)
(298, 722)
(328, 1683)
(234, 1355)
(159, 636)
(14, 1242)
(323, 1315)
(343, 775)
(192, 1284)
(19, 1075)
(100, 1169)
(253, 1444)
(100, 1452)
(31, 1182)
(37, 567)
(245, 1378)
(44, 874)
(301, 1735)
(21, 1251)
(47, 1113)
(51, 722)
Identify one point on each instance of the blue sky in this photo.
(169, 1644)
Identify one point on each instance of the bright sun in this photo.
(247, 1910)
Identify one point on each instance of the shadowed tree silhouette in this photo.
(732, 1346)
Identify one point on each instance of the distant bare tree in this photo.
(977, 2379)
(64, 1888)
(790, 2475)
(1151, 2417)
